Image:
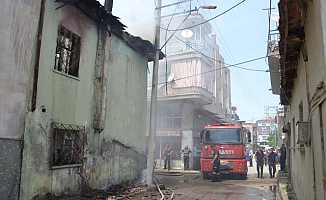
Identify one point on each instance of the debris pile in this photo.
(131, 191)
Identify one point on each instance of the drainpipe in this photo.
(38, 52)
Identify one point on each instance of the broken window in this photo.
(67, 52)
(67, 144)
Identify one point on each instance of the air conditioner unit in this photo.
(303, 132)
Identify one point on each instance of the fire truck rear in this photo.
(230, 140)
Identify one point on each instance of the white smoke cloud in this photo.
(137, 15)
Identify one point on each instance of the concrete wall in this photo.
(308, 185)
(16, 50)
(112, 156)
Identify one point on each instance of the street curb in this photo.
(177, 171)
(284, 186)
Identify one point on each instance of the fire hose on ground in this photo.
(159, 189)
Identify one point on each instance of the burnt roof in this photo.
(291, 27)
(97, 12)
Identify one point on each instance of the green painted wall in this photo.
(126, 88)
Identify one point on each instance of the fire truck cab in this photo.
(229, 140)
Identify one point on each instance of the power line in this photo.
(229, 65)
(244, 62)
(240, 78)
(208, 19)
(245, 84)
(166, 59)
(246, 94)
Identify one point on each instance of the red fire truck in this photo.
(230, 140)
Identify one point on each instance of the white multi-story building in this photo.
(195, 85)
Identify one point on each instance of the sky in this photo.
(241, 35)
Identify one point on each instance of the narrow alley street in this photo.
(191, 185)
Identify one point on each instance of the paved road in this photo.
(191, 185)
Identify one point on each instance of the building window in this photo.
(67, 144)
(168, 118)
(67, 53)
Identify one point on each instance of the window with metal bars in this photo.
(67, 53)
(67, 144)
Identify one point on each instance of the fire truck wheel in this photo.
(205, 175)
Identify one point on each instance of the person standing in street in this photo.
(167, 156)
(260, 157)
(216, 164)
(282, 157)
(186, 152)
(250, 157)
(272, 161)
(197, 153)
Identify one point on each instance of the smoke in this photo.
(137, 15)
(143, 176)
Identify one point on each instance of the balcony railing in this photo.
(182, 91)
(190, 46)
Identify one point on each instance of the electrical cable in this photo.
(208, 19)
(166, 59)
(269, 24)
(239, 74)
(248, 61)
(239, 83)
(249, 99)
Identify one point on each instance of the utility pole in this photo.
(152, 125)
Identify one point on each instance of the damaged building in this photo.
(72, 98)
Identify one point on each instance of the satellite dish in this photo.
(171, 77)
(275, 17)
(187, 33)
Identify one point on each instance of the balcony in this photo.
(199, 94)
(274, 66)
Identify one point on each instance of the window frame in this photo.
(67, 53)
(77, 138)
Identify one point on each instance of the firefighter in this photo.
(167, 156)
(216, 164)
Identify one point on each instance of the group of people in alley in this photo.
(262, 158)
(186, 153)
(269, 157)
